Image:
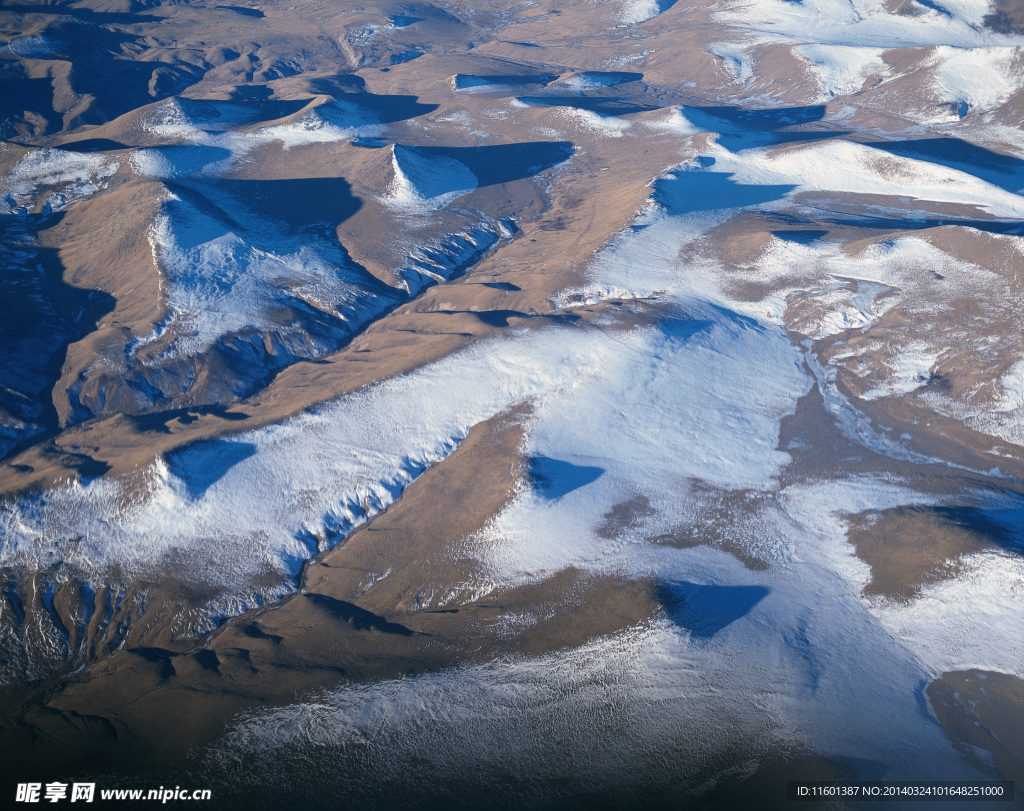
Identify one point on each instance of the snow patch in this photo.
(973, 621)
(699, 398)
(735, 59)
(223, 127)
(636, 11)
(843, 167)
(221, 284)
(516, 720)
(842, 70)
(61, 175)
(587, 120)
(33, 47)
(424, 182)
(909, 370)
(863, 23)
(237, 507)
(1012, 385)
(979, 78)
(797, 641)
(676, 122)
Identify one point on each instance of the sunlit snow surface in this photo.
(851, 45)
(699, 399)
(221, 283)
(653, 711)
(843, 69)
(637, 11)
(220, 128)
(648, 411)
(243, 504)
(54, 177)
(863, 23)
(423, 183)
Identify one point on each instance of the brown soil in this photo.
(156, 698)
(983, 713)
(909, 548)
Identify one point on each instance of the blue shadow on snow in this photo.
(554, 478)
(202, 465)
(691, 190)
(706, 610)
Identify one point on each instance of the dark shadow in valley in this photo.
(244, 11)
(186, 160)
(767, 120)
(504, 163)
(218, 114)
(683, 329)
(40, 316)
(74, 11)
(405, 56)
(1015, 227)
(938, 7)
(500, 318)
(837, 224)
(706, 610)
(497, 318)
(386, 109)
(1001, 170)
(117, 84)
(159, 420)
(665, 5)
(358, 618)
(501, 81)
(608, 78)
(1001, 527)
(300, 203)
(404, 20)
(198, 197)
(94, 145)
(691, 190)
(204, 464)
(336, 85)
(26, 103)
(554, 478)
(801, 236)
(601, 106)
(741, 128)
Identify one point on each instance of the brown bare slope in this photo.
(361, 614)
(983, 714)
